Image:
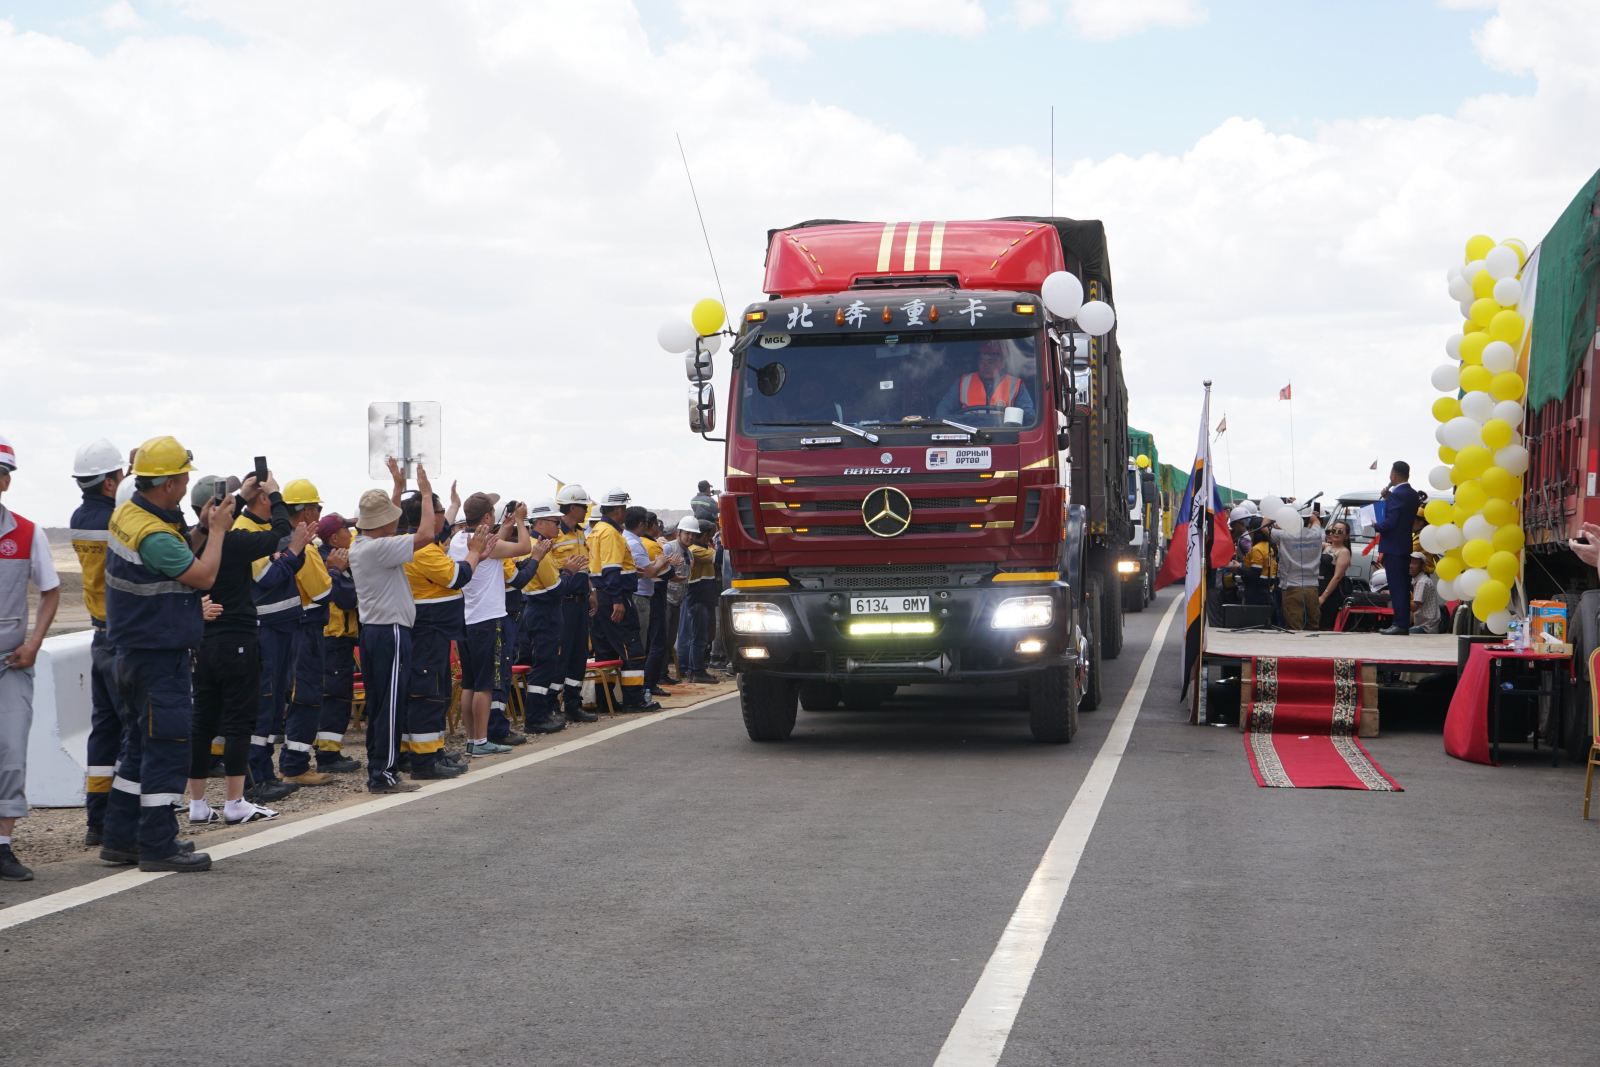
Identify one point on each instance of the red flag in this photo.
(1283, 394)
(1222, 427)
(1374, 466)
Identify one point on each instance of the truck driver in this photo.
(990, 387)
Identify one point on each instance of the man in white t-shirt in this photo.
(481, 656)
(383, 598)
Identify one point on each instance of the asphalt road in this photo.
(680, 895)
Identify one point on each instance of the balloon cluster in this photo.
(705, 320)
(1479, 538)
(1285, 515)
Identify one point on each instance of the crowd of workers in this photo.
(1302, 576)
(233, 646)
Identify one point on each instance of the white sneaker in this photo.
(257, 814)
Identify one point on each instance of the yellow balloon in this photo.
(1479, 611)
(1509, 539)
(1478, 247)
(1493, 595)
(1449, 569)
(1473, 461)
(1472, 347)
(1496, 433)
(1500, 483)
(1505, 326)
(1503, 567)
(1499, 512)
(1484, 309)
(1482, 284)
(1446, 408)
(1506, 386)
(1459, 515)
(1475, 378)
(1471, 495)
(1469, 328)
(1437, 512)
(1518, 247)
(1476, 553)
(1447, 454)
(707, 317)
(1142, 462)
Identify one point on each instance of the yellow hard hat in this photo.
(161, 457)
(300, 492)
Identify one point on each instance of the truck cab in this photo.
(1138, 568)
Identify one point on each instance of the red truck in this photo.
(924, 470)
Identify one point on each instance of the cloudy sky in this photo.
(241, 221)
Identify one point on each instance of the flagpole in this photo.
(1204, 499)
(1228, 444)
(1293, 489)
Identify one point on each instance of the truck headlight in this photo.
(759, 617)
(1127, 566)
(1022, 612)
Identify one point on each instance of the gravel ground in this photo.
(50, 835)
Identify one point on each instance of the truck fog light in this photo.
(753, 652)
(1023, 612)
(1127, 566)
(1032, 644)
(759, 617)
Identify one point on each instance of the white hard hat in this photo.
(572, 494)
(543, 509)
(124, 491)
(1255, 509)
(8, 455)
(1239, 514)
(690, 523)
(615, 498)
(98, 458)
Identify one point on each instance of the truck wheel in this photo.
(1053, 705)
(1133, 594)
(1091, 609)
(819, 696)
(864, 696)
(768, 705)
(1110, 627)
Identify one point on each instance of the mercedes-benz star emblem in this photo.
(887, 512)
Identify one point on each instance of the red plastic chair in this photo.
(603, 672)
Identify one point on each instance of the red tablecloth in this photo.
(1466, 728)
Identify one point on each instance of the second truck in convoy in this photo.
(925, 470)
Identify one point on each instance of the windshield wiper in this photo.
(979, 433)
(822, 422)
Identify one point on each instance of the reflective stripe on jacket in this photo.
(145, 609)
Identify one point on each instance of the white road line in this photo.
(18, 914)
(981, 1031)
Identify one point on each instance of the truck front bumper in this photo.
(962, 646)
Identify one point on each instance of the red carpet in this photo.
(1302, 727)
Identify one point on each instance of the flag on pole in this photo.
(1201, 507)
(1374, 466)
(1283, 394)
(1222, 427)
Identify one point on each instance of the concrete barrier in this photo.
(58, 744)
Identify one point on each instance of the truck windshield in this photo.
(971, 377)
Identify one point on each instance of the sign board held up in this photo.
(408, 430)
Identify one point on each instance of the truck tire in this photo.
(1111, 627)
(1053, 705)
(864, 696)
(1091, 612)
(1133, 594)
(819, 696)
(768, 705)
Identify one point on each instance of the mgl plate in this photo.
(888, 605)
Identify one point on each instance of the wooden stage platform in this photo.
(1423, 649)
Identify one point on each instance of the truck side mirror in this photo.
(702, 408)
(1063, 440)
(697, 365)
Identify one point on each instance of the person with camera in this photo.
(227, 665)
(340, 636)
(303, 701)
(484, 606)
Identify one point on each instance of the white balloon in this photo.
(676, 336)
(1502, 262)
(1509, 410)
(1477, 528)
(1449, 536)
(1097, 318)
(1428, 540)
(1251, 504)
(1508, 292)
(1062, 294)
(1288, 518)
(1439, 478)
(1478, 406)
(1463, 432)
(1438, 432)
(1498, 622)
(1446, 377)
(1466, 309)
(1470, 271)
(1270, 506)
(711, 344)
(1513, 459)
(1454, 272)
(1447, 590)
(1498, 357)
(1461, 289)
(1469, 581)
(1452, 346)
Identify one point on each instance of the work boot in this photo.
(436, 770)
(11, 869)
(575, 713)
(131, 855)
(179, 861)
(310, 778)
(702, 678)
(548, 725)
(395, 786)
(342, 765)
(270, 792)
(94, 836)
(513, 739)
(1395, 631)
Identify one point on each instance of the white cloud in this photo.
(483, 204)
(1106, 20)
(121, 16)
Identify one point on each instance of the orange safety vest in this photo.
(974, 396)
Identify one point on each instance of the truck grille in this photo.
(882, 479)
(916, 502)
(862, 531)
(898, 581)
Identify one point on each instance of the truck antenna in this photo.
(709, 254)
(1052, 161)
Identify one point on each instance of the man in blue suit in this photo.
(1394, 541)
